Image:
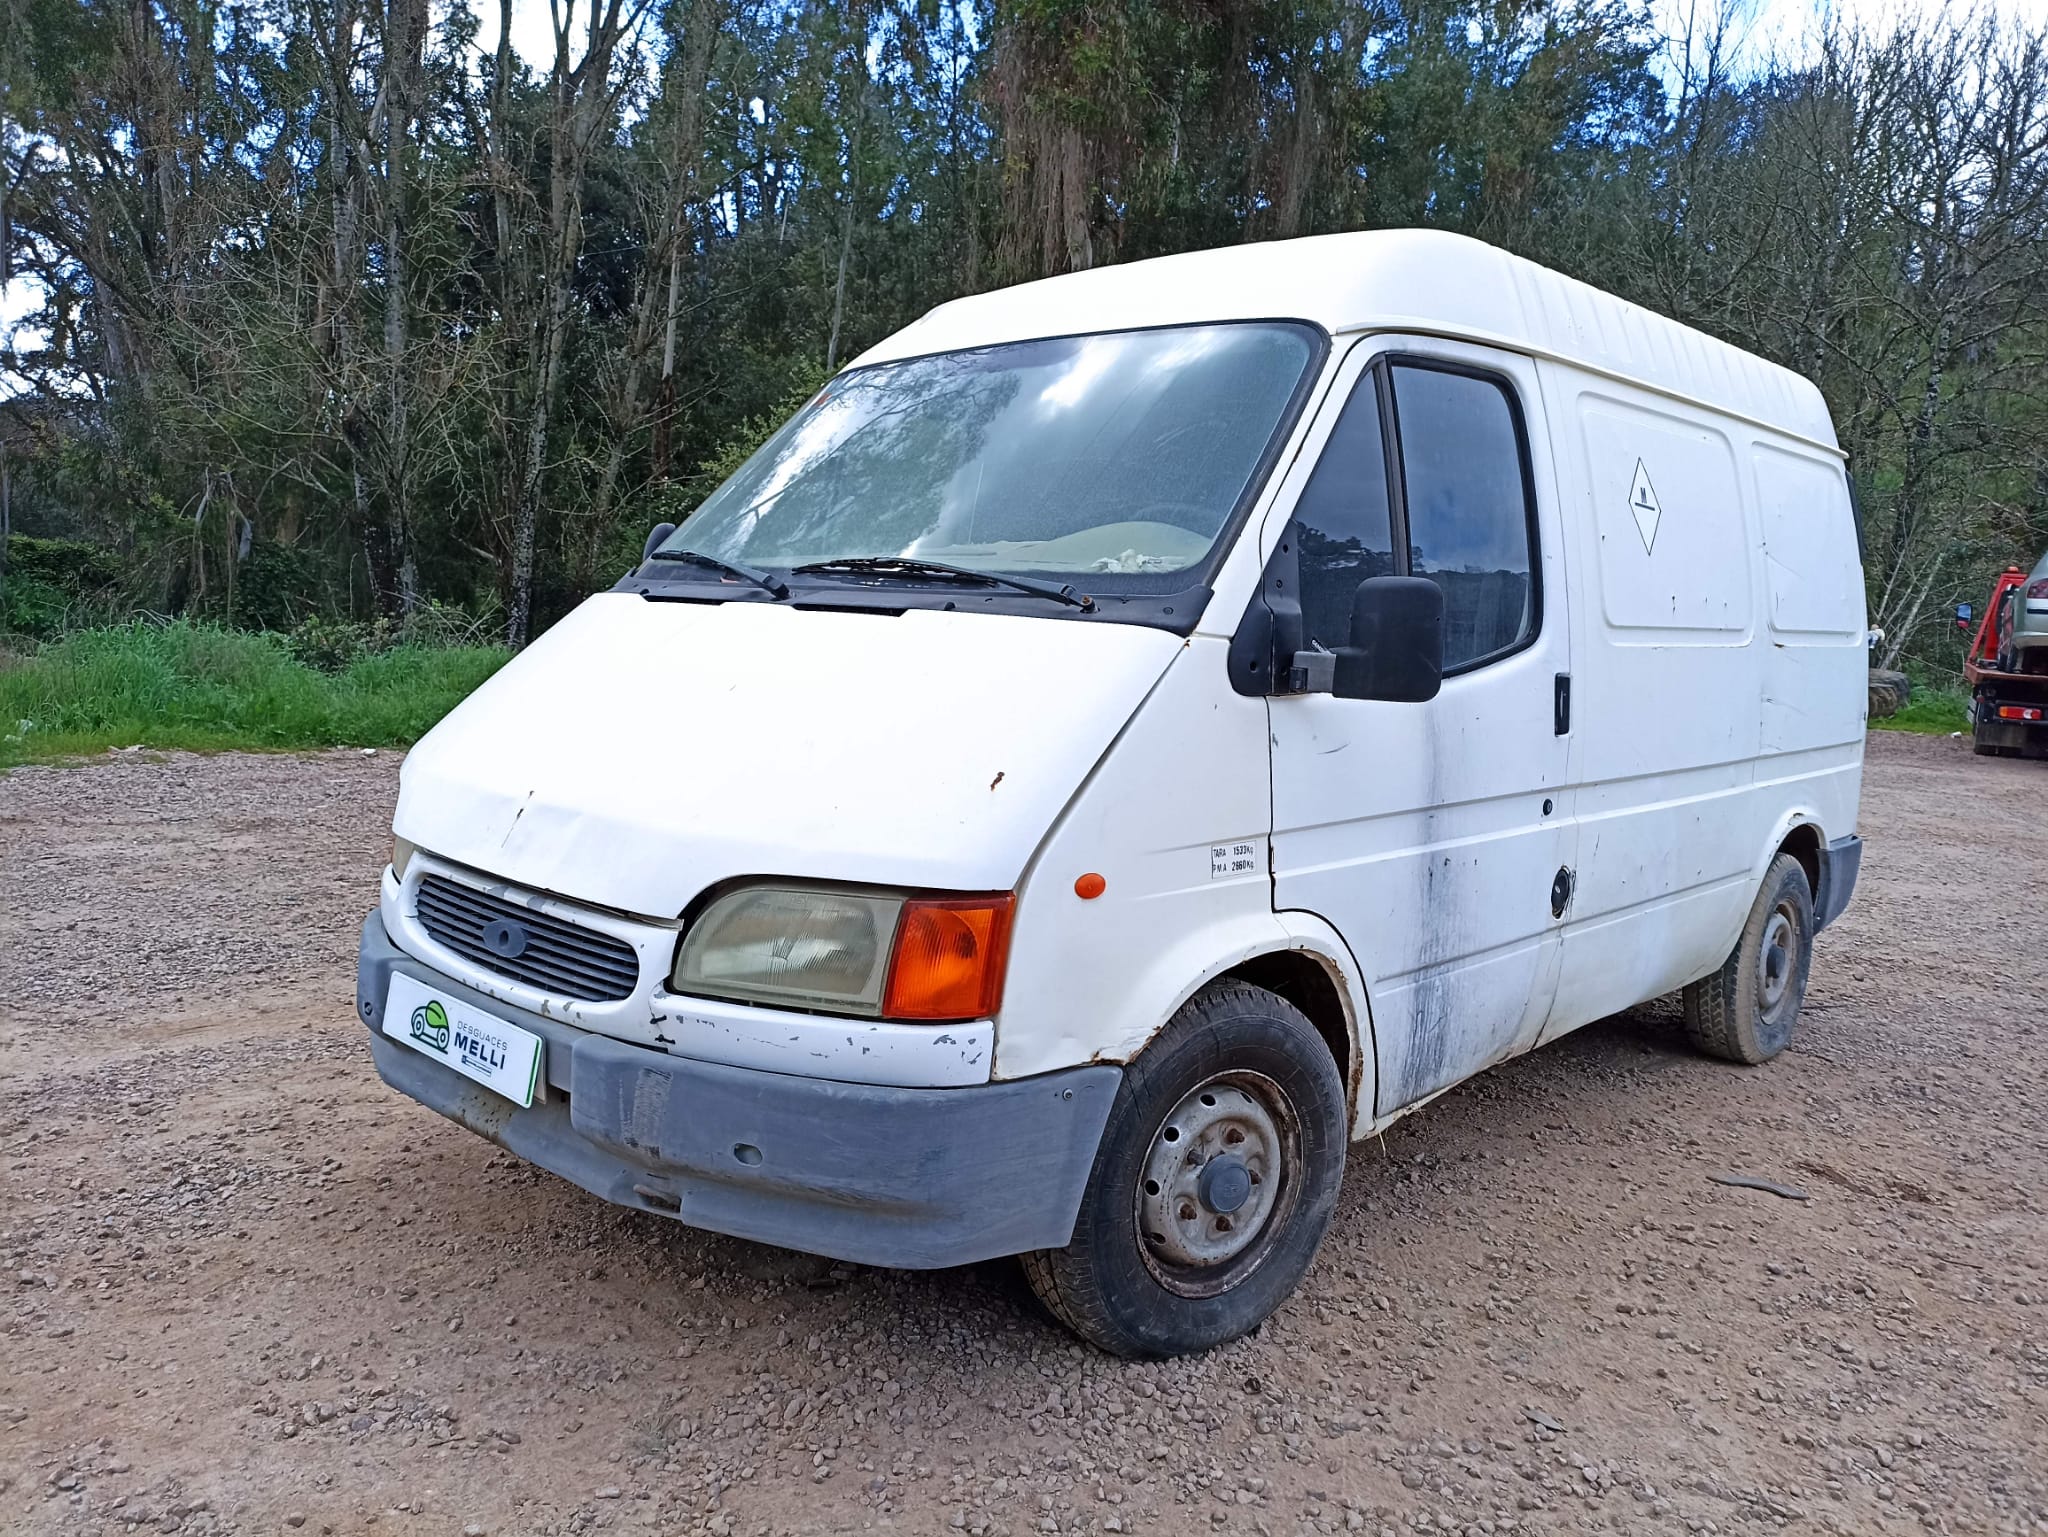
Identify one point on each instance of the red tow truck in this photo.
(2008, 709)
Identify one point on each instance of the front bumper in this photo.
(910, 1178)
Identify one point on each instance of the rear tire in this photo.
(1216, 1178)
(1745, 1012)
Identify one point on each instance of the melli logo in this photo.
(430, 1025)
(480, 1049)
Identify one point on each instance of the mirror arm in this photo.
(1312, 672)
(660, 532)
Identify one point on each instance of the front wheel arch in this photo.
(1314, 985)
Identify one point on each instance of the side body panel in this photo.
(1702, 729)
(1429, 835)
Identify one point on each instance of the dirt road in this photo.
(249, 1290)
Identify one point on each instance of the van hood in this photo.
(641, 751)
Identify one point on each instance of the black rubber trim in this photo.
(1840, 863)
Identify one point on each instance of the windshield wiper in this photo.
(904, 565)
(766, 579)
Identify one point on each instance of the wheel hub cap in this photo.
(1210, 1178)
(1774, 960)
(1225, 1185)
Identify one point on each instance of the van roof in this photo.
(1387, 280)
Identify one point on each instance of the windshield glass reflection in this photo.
(1121, 454)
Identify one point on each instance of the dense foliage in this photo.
(198, 686)
(346, 315)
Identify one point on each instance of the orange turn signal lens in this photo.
(949, 960)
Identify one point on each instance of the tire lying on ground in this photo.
(1889, 692)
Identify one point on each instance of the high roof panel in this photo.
(1401, 280)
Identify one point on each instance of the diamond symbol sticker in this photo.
(1642, 501)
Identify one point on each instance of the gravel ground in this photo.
(247, 1289)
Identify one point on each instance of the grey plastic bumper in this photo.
(913, 1178)
(1840, 864)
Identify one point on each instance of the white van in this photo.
(1129, 736)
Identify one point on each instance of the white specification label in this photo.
(1228, 860)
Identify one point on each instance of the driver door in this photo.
(1437, 838)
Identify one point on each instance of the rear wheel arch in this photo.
(1798, 831)
(1803, 841)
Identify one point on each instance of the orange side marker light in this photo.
(1090, 886)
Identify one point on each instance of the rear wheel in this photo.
(1215, 1181)
(1745, 1011)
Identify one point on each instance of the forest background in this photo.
(344, 319)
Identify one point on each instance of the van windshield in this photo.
(1121, 455)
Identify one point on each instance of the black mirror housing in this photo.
(660, 532)
(1397, 642)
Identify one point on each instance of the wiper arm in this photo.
(904, 565)
(765, 579)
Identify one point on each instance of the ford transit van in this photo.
(1129, 736)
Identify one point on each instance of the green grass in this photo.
(208, 689)
(1930, 712)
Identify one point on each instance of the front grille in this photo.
(559, 958)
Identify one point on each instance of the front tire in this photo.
(1745, 1012)
(1216, 1179)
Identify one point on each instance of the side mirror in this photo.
(1964, 613)
(661, 532)
(1397, 642)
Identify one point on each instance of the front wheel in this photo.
(1745, 1011)
(1216, 1178)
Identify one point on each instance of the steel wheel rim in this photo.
(1217, 1182)
(1777, 958)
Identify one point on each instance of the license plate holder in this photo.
(494, 1052)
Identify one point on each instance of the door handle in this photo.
(1561, 892)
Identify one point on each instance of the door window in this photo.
(1460, 489)
(1469, 510)
(1344, 519)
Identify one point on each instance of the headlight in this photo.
(850, 952)
(780, 944)
(401, 856)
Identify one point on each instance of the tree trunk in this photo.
(403, 37)
(582, 97)
(665, 407)
(700, 35)
(845, 238)
(1912, 483)
(6, 519)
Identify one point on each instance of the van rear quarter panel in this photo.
(1702, 727)
(1815, 700)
